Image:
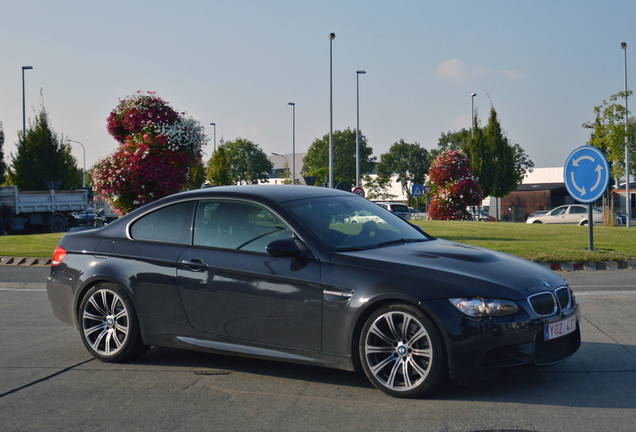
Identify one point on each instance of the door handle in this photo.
(195, 264)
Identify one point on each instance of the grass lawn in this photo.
(542, 243)
(539, 242)
(35, 245)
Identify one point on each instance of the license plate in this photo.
(560, 328)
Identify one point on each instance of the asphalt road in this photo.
(48, 382)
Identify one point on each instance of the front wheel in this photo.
(402, 352)
(109, 326)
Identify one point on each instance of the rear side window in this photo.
(169, 224)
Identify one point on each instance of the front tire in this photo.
(402, 352)
(109, 325)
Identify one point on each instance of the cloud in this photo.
(456, 69)
(453, 69)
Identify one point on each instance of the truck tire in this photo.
(57, 224)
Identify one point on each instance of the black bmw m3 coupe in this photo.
(294, 273)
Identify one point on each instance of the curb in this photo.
(590, 266)
(24, 261)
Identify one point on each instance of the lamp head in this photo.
(291, 103)
(332, 36)
(473, 94)
(27, 67)
(361, 72)
(212, 124)
(623, 45)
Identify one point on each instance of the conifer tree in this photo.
(43, 160)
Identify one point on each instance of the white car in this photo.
(364, 216)
(568, 214)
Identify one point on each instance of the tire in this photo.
(537, 222)
(584, 223)
(108, 325)
(57, 224)
(403, 363)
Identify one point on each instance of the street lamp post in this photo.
(23, 101)
(84, 170)
(472, 128)
(358, 73)
(280, 155)
(214, 124)
(332, 36)
(628, 197)
(293, 142)
(472, 116)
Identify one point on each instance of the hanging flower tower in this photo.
(158, 146)
(453, 187)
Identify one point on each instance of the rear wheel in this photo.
(57, 224)
(402, 351)
(109, 325)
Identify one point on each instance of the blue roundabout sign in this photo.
(586, 174)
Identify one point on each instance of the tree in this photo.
(410, 162)
(3, 165)
(196, 176)
(248, 163)
(452, 141)
(378, 188)
(43, 157)
(218, 169)
(498, 163)
(608, 134)
(316, 163)
(502, 158)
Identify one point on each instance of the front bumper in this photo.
(478, 346)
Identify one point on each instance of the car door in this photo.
(231, 287)
(576, 215)
(557, 216)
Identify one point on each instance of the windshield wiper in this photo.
(402, 240)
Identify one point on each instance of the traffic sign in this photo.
(359, 191)
(417, 190)
(586, 174)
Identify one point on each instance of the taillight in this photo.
(58, 256)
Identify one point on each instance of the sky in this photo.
(543, 65)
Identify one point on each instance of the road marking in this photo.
(22, 289)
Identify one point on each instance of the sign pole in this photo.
(590, 225)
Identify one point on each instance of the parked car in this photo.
(363, 216)
(537, 213)
(401, 210)
(621, 219)
(88, 217)
(480, 215)
(274, 272)
(568, 214)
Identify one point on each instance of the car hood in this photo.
(455, 269)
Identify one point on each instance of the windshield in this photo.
(352, 223)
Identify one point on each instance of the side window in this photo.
(560, 211)
(577, 210)
(169, 224)
(237, 225)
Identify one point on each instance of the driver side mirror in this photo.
(283, 248)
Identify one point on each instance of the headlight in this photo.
(478, 307)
